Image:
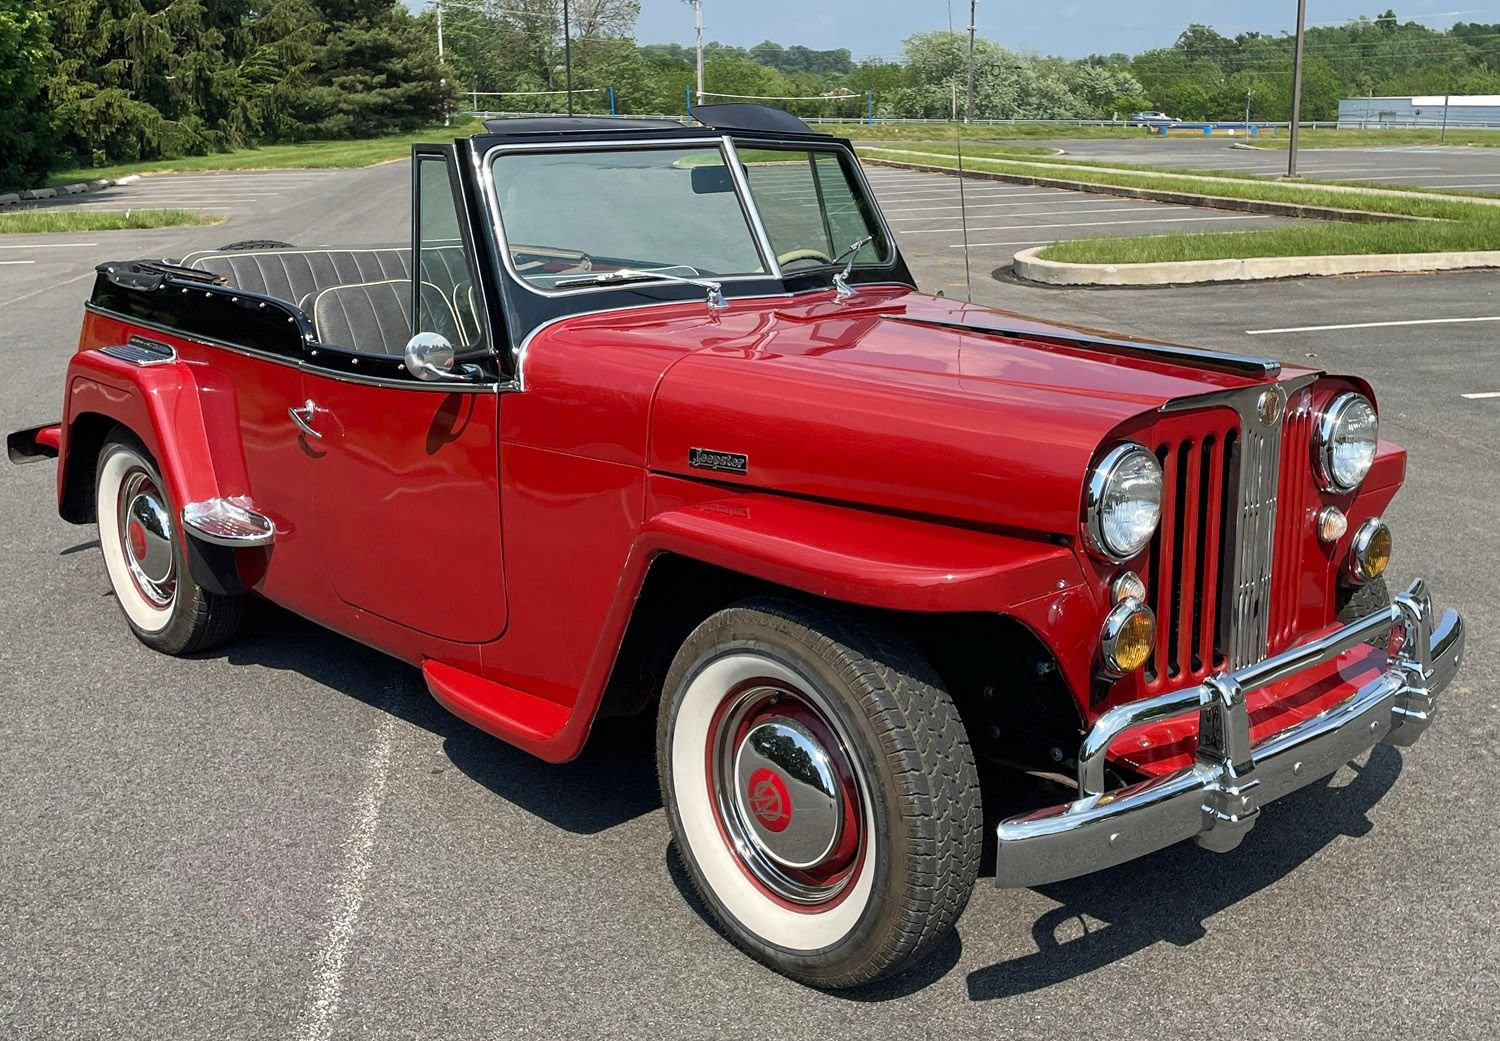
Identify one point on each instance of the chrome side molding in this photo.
(227, 522)
(1217, 800)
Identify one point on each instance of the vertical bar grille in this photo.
(1295, 516)
(1186, 573)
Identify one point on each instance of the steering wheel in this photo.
(794, 255)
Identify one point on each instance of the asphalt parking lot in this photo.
(1423, 166)
(289, 839)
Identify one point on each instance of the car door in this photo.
(405, 486)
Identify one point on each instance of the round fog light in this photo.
(1128, 637)
(1370, 553)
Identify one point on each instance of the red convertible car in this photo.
(652, 418)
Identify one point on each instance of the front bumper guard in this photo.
(1217, 799)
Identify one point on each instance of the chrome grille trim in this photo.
(1245, 610)
(1254, 542)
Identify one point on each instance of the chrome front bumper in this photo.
(1216, 800)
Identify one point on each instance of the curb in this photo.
(1030, 267)
(1213, 202)
(77, 188)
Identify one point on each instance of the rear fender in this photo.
(177, 411)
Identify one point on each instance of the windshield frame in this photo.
(725, 144)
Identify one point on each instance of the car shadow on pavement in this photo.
(927, 972)
(613, 782)
(1169, 895)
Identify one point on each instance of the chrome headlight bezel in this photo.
(1100, 485)
(1329, 426)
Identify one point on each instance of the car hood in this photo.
(908, 403)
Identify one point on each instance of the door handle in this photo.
(304, 416)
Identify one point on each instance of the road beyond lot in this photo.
(289, 839)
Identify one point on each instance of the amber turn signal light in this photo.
(1128, 636)
(1370, 553)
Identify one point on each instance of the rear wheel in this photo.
(144, 555)
(821, 789)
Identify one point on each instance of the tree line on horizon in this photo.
(96, 82)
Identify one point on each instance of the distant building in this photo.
(1471, 110)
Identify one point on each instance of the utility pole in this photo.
(969, 112)
(1291, 169)
(698, 28)
(447, 116)
(568, 56)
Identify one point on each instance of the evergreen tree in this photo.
(25, 129)
(375, 69)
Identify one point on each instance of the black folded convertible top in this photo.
(755, 119)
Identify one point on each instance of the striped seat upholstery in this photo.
(375, 317)
(296, 275)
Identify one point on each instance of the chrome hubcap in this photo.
(146, 535)
(787, 794)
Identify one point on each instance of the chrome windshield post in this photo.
(752, 211)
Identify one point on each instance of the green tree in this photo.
(376, 70)
(25, 129)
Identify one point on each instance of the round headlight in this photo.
(1124, 502)
(1344, 449)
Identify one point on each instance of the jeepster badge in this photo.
(721, 462)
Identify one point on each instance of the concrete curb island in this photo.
(1030, 267)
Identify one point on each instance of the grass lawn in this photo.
(304, 155)
(1303, 239)
(74, 218)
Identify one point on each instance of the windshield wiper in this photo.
(714, 288)
(841, 279)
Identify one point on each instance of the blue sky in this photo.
(1072, 28)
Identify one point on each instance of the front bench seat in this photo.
(375, 317)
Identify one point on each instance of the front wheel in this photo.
(144, 553)
(822, 791)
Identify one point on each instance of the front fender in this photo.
(856, 556)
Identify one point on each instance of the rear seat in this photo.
(379, 317)
(375, 317)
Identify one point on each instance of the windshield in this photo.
(568, 214)
(810, 208)
(575, 218)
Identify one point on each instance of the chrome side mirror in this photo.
(429, 356)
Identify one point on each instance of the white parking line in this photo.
(47, 245)
(1486, 394)
(349, 890)
(1085, 203)
(5, 262)
(1156, 208)
(1370, 325)
(1080, 224)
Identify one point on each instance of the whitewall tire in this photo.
(821, 790)
(143, 546)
